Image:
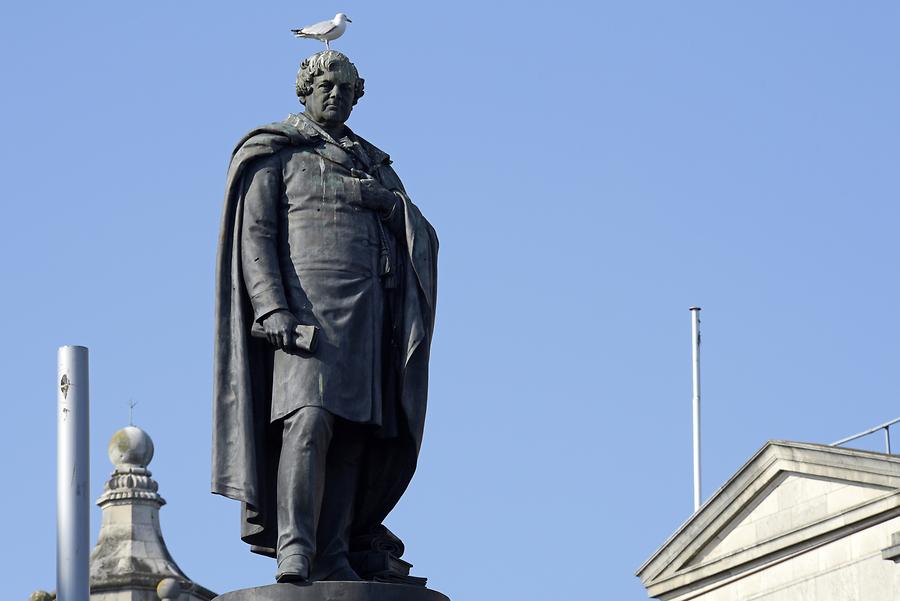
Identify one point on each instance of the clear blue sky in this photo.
(592, 169)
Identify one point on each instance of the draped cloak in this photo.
(245, 447)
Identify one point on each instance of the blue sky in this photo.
(592, 169)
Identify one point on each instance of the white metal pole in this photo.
(695, 365)
(72, 475)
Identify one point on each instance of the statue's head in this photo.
(329, 86)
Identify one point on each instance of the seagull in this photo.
(326, 31)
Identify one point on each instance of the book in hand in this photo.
(305, 340)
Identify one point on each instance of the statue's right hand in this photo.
(281, 328)
(373, 195)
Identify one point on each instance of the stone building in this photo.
(797, 521)
(130, 561)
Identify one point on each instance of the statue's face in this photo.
(331, 100)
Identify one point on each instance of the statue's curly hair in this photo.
(319, 63)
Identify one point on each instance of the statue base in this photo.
(332, 591)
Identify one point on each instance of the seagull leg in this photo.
(327, 45)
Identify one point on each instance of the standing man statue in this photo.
(318, 435)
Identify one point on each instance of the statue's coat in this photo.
(245, 448)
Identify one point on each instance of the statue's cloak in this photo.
(245, 446)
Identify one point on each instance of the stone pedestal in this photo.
(335, 591)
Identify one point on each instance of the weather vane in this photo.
(325, 31)
(131, 405)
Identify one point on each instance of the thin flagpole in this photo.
(695, 373)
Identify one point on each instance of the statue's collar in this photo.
(310, 129)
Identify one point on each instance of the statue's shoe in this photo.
(294, 568)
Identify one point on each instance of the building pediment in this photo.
(788, 499)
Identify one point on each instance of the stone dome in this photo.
(131, 446)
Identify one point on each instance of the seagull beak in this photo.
(349, 20)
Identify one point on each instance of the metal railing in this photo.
(886, 426)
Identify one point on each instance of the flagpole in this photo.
(695, 401)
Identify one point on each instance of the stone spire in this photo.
(131, 557)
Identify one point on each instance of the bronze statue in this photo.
(325, 300)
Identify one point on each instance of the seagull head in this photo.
(341, 18)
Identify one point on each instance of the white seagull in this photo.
(326, 31)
